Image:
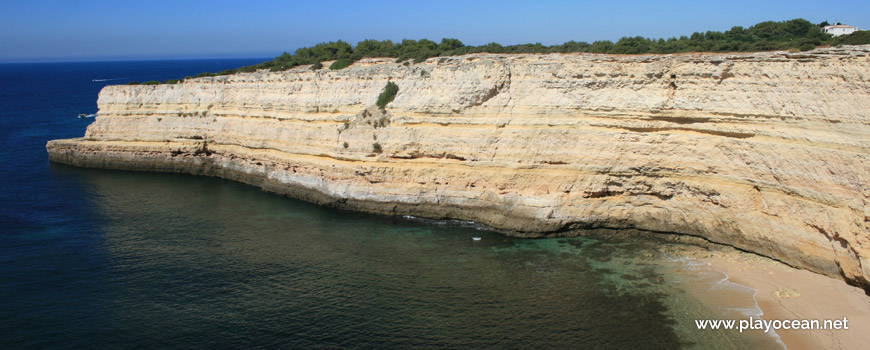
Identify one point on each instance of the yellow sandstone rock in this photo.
(766, 152)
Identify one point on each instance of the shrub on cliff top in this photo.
(389, 94)
(764, 36)
(861, 37)
(339, 64)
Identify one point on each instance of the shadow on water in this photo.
(213, 263)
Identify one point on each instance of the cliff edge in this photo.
(766, 152)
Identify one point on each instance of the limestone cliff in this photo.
(766, 152)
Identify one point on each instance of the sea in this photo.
(95, 259)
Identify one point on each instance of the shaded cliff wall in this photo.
(766, 152)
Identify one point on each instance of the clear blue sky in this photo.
(41, 30)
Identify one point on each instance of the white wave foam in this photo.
(726, 284)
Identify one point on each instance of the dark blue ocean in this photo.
(110, 259)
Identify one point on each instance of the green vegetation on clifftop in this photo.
(796, 34)
(339, 64)
(856, 38)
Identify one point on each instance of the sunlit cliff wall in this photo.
(766, 152)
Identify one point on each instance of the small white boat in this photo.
(475, 238)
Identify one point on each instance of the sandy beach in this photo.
(786, 293)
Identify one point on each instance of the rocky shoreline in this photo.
(764, 152)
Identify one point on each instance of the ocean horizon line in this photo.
(98, 60)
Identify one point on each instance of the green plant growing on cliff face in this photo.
(381, 122)
(376, 148)
(388, 95)
(316, 66)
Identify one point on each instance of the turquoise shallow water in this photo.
(110, 259)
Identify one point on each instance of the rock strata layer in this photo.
(766, 152)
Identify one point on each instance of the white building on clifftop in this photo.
(839, 29)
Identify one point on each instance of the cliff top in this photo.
(796, 35)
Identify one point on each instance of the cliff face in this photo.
(766, 152)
